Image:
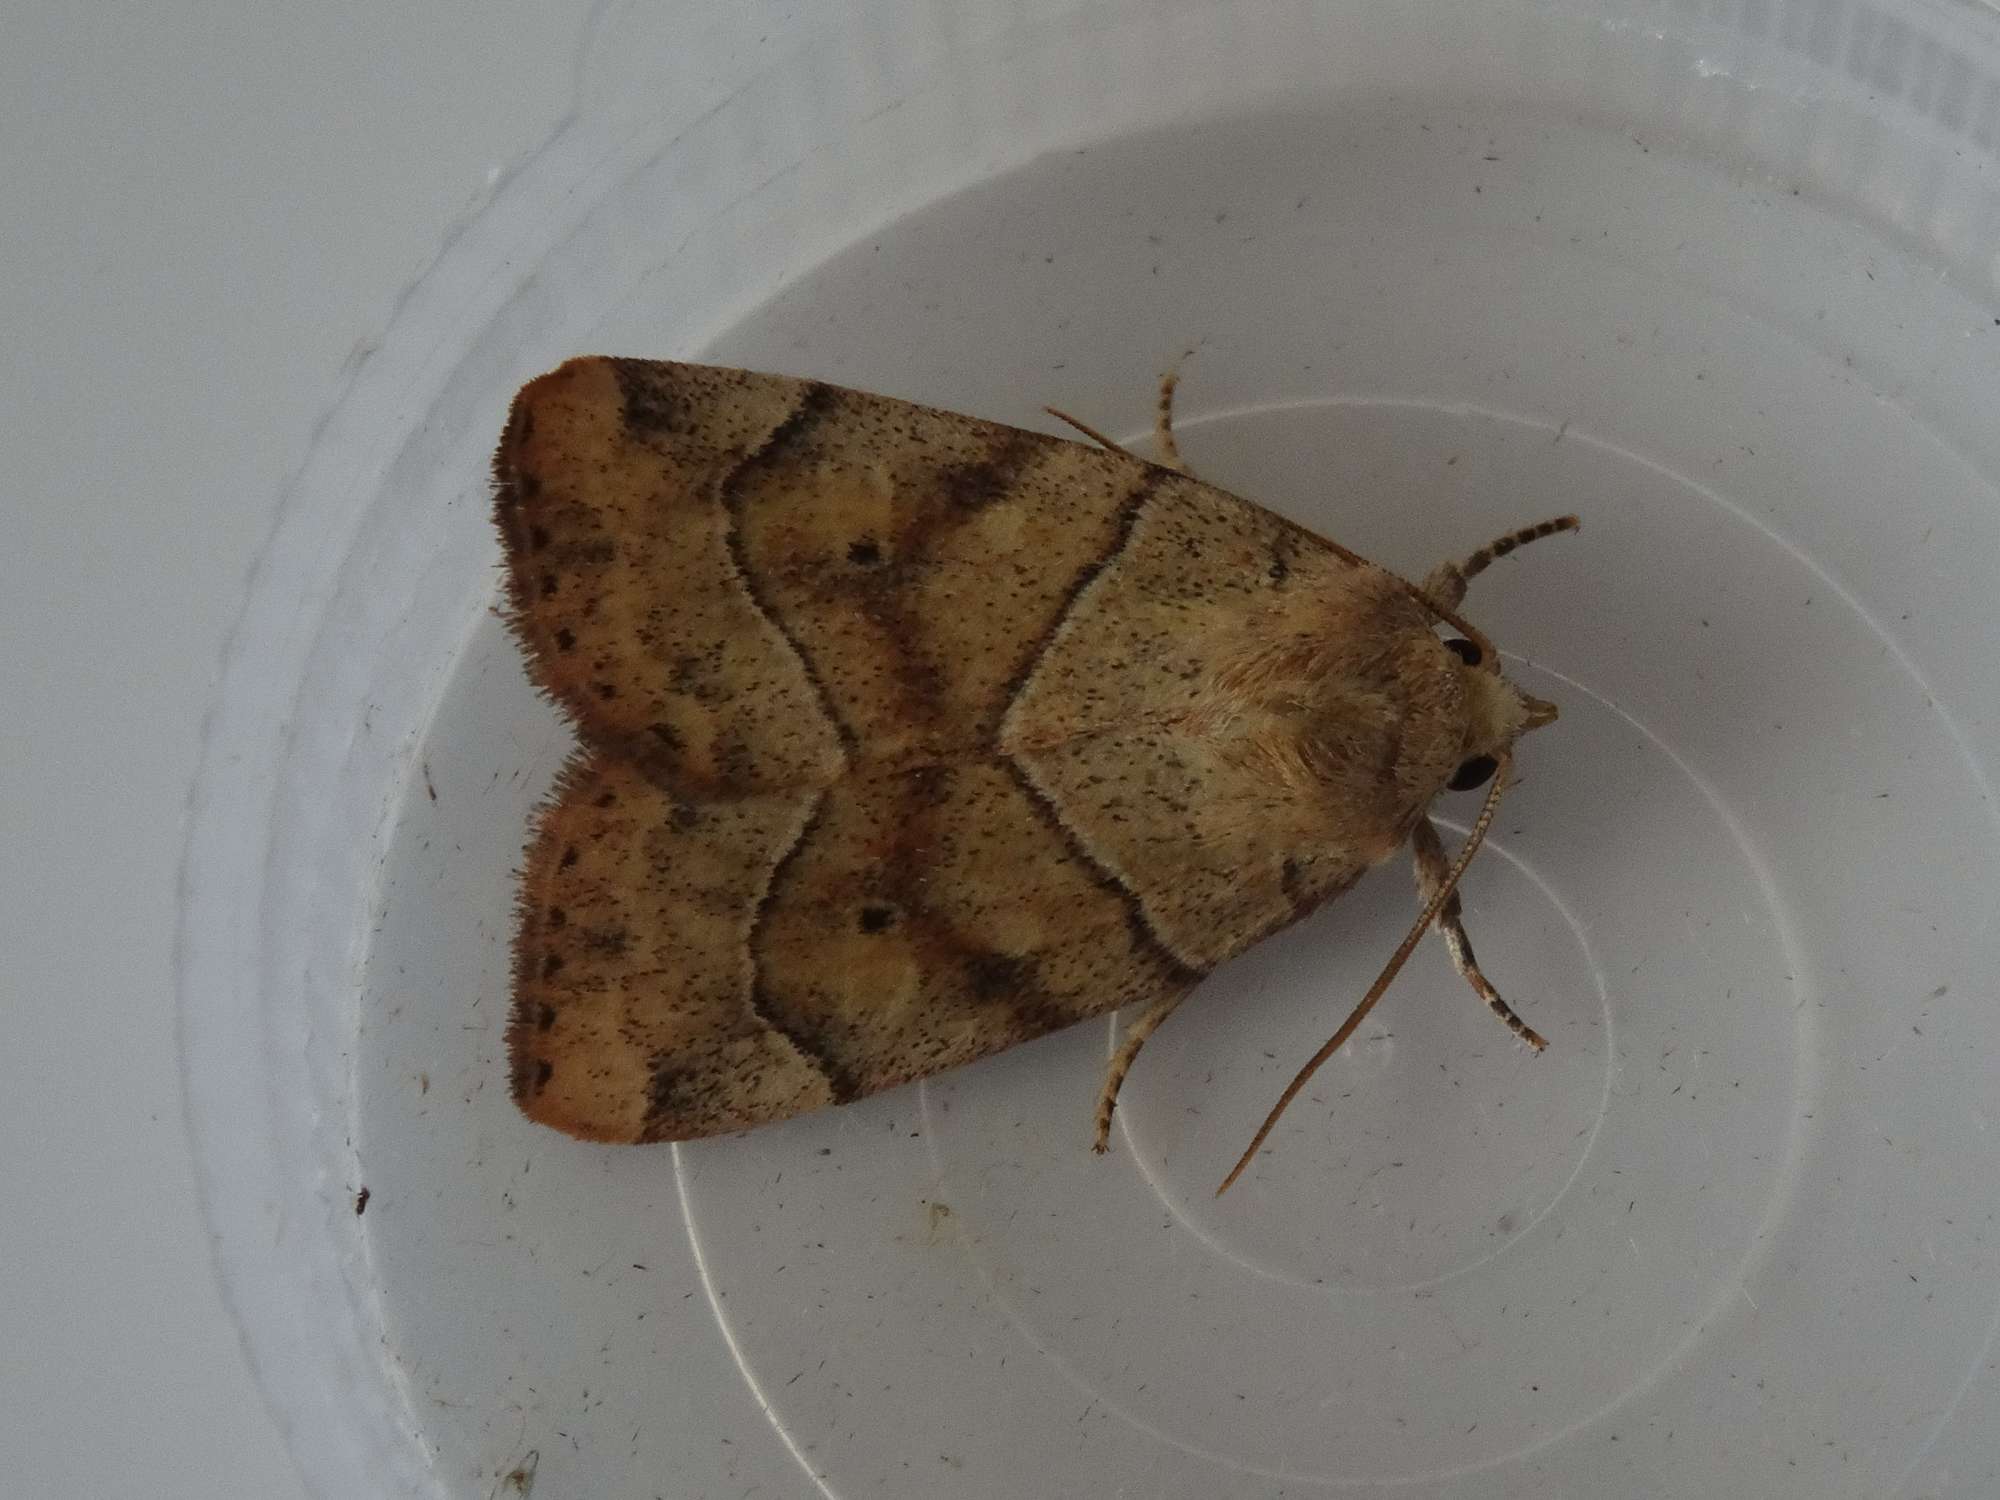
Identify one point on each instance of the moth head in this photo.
(1497, 713)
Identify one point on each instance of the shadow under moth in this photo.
(906, 737)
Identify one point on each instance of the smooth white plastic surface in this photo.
(1720, 279)
(208, 206)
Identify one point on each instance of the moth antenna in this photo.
(1121, 1063)
(1090, 432)
(1494, 550)
(1383, 980)
(1447, 582)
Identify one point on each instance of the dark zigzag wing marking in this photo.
(1129, 511)
(669, 1073)
(844, 1085)
(1149, 941)
(1142, 927)
(815, 402)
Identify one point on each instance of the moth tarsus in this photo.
(1163, 418)
(905, 737)
(1432, 867)
(1163, 423)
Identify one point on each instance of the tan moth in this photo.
(908, 736)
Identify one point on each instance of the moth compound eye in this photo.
(1468, 653)
(1475, 772)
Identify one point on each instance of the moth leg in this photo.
(1163, 425)
(1445, 583)
(1090, 432)
(1163, 421)
(1121, 1063)
(1432, 867)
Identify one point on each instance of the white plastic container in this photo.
(1720, 277)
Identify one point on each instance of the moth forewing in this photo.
(906, 736)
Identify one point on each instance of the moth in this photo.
(906, 737)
